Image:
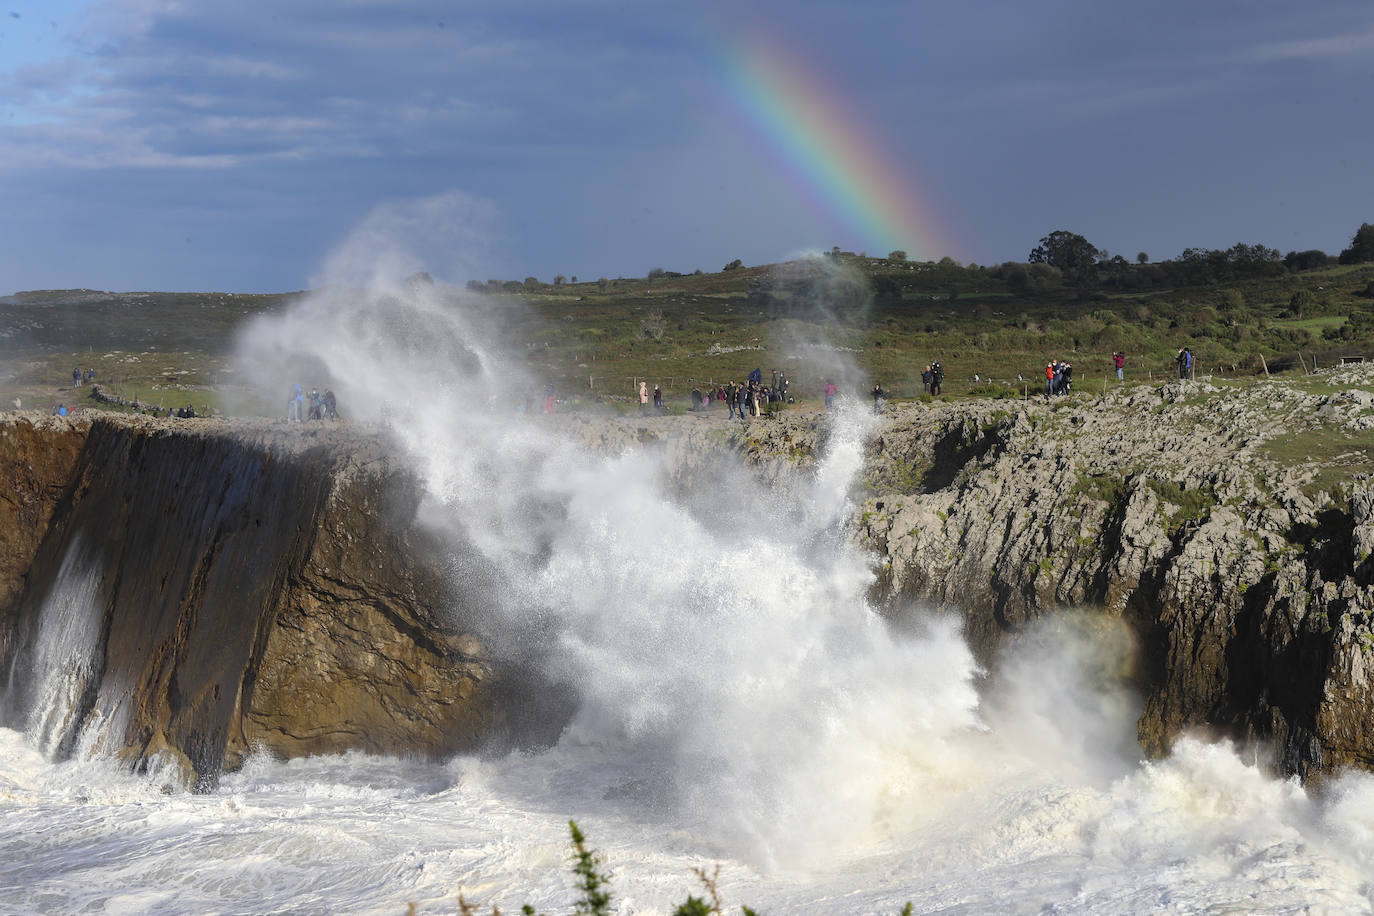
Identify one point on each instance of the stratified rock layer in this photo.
(254, 587)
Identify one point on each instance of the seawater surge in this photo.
(396, 659)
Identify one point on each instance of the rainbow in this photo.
(830, 156)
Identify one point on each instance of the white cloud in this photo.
(254, 68)
(1344, 44)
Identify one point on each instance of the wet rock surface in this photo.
(254, 587)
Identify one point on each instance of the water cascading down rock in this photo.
(190, 593)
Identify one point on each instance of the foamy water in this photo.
(1201, 832)
(736, 701)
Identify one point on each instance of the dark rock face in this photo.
(247, 588)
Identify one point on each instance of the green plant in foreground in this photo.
(595, 887)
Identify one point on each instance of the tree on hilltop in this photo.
(1361, 246)
(1306, 260)
(1074, 255)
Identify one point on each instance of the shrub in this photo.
(1304, 301)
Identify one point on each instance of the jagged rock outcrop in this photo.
(203, 589)
(1229, 526)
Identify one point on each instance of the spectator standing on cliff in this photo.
(937, 378)
(330, 405)
(1066, 378)
(658, 399)
(927, 379)
(76, 378)
(696, 398)
(1182, 361)
(1188, 363)
(830, 391)
(878, 395)
(643, 396)
(1119, 360)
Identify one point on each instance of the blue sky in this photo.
(216, 145)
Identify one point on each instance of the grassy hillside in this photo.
(887, 318)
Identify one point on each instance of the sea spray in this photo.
(740, 666)
(53, 676)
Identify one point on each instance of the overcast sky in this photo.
(234, 144)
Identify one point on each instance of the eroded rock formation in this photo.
(199, 591)
(1230, 527)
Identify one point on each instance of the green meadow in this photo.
(886, 318)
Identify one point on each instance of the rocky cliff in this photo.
(191, 591)
(209, 588)
(1230, 526)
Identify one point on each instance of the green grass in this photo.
(712, 328)
(1108, 488)
(1336, 456)
(1190, 505)
(1315, 325)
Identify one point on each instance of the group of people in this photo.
(1185, 363)
(78, 377)
(1058, 377)
(315, 405)
(743, 399)
(932, 378)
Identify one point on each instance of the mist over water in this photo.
(724, 663)
(732, 697)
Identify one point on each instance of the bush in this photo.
(1303, 302)
(994, 390)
